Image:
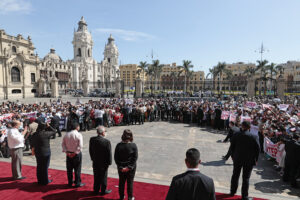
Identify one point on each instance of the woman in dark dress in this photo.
(41, 145)
(126, 155)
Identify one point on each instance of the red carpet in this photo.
(29, 189)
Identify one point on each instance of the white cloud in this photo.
(127, 35)
(8, 6)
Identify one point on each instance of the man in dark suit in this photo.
(245, 151)
(192, 185)
(100, 152)
(55, 124)
(200, 115)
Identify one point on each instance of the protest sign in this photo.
(225, 115)
(251, 104)
(245, 118)
(232, 117)
(270, 148)
(283, 107)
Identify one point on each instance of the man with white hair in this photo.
(100, 152)
(15, 141)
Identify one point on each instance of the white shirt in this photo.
(72, 142)
(99, 113)
(15, 139)
(193, 169)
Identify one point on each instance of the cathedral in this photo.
(84, 66)
(22, 71)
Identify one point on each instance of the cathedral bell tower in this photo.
(111, 53)
(82, 42)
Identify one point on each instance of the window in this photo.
(89, 53)
(108, 59)
(15, 75)
(32, 77)
(79, 52)
(14, 49)
(16, 91)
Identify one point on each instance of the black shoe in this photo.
(131, 198)
(224, 158)
(59, 136)
(247, 198)
(80, 185)
(231, 194)
(106, 192)
(21, 178)
(95, 193)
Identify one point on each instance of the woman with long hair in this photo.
(126, 155)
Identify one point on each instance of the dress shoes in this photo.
(80, 185)
(106, 192)
(131, 198)
(21, 178)
(247, 198)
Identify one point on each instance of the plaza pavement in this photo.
(162, 147)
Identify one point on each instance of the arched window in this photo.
(14, 49)
(15, 75)
(16, 91)
(89, 53)
(79, 52)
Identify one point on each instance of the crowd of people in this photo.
(274, 124)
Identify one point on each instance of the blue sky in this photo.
(203, 31)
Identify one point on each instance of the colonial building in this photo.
(129, 73)
(23, 73)
(18, 67)
(53, 66)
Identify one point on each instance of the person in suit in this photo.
(126, 155)
(245, 151)
(55, 124)
(100, 152)
(41, 149)
(200, 115)
(191, 185)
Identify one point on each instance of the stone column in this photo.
(41, 86)
(138, 89)
(251, 87)
(118, 88)
(280, 87)
(54, 87)
(86, 87)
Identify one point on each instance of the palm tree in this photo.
(173, 76)
(185, 68)
(150, 73)
(261, 65)
(229, 76)
(249, 71)
(189, 76)
(220, 68)
(157, 69)
(212, 73)
(142, 67)
(272, 70)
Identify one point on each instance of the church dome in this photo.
(52, 56)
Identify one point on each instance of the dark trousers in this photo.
(100, 178)
(123, 177)
(99, 122)
(57, 131)
(247, 169)
(74, 164)
(42, 164)
(86, 125)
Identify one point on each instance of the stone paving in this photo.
(162, 147)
